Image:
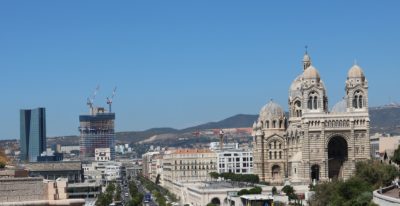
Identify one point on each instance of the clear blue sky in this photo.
(182, 63)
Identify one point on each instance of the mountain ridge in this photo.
(383, 120)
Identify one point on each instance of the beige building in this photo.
(188, 165)
(35, 191)
(388, 144)
(313, 142)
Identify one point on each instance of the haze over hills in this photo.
(383, 120)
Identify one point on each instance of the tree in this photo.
(158, 179)
(375, 173)
(290, 192)
(274, 190)
(396, 155)
(214, 175)
(106, 198)
(117, 195)
(357, 190)
(2, 165)
(255, 190)
(110, 188)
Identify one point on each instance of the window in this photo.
(315, 102)
(280, 145)
(309, 103)
(274, 144)
(270, 145)
(280, 155)
(275, 154)
(270, 155)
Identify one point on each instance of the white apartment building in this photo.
(232, 158)
(102, 154)
(102, 171)
(235, 161)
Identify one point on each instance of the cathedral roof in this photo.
(339, 107)
(311, 73)
(271, 111)
(355, 72)
(295, 87)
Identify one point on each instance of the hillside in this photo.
(237, 121)
(383, 120)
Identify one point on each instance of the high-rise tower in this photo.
(97, 131)
(32, 133)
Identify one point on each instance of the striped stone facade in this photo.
(313, 142)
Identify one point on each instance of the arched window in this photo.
(358, 100)
(275, 154)
(355, 101)
(280, 155)
(270, 146)
(267, 124)
(315, 103)
(280, 123)
(309, 103)
(274, 124)
(280, 145)
(270, 155)
(274, 144)
(297, 108)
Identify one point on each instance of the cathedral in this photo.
(311, 142)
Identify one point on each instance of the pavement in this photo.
(392, 193)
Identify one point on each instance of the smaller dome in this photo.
(271, 111)
(339, 107)
(355, 72)
(306, 58)
(311, 73)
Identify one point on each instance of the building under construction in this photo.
(97, 130)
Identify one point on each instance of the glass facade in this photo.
(32, 133)
(97, 131)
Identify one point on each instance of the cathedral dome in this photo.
(339, 107)
(271, 111)
(355, 72)
(311, 73)
(295, 87)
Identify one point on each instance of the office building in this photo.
(32, 133)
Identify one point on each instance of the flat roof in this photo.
(257, 197)
(54, 166)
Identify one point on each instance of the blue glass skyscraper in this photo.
(32, 133)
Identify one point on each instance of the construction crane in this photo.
(91, 99)
(110, 100)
